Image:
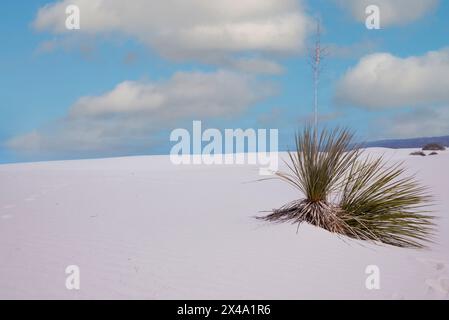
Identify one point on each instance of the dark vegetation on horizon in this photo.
(409, 143)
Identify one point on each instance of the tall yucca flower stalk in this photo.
(361, 198)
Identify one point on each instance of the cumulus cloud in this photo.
(392, 12)
(130, 116)
(383, 80)
(420, 122)
(190, 29)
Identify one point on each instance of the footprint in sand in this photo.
(6, 216)
(437, 265)
(438, 283)
(31, 198)
(9, 206)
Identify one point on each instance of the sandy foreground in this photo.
(142, 228)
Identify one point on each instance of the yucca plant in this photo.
(352, 195)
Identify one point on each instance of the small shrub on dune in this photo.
(358, 197)
(433, 147)
(418, 153)
(433, 153)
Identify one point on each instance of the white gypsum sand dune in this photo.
(140, 227)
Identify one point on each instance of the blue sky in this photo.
(121, 83)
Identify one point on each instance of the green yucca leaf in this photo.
(359, 198)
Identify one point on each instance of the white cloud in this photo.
(129, 117)
(382, 80)
(190, 29)
(85, 47)
(418, 123)
(392, 12)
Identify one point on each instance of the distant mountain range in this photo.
(408, 143)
